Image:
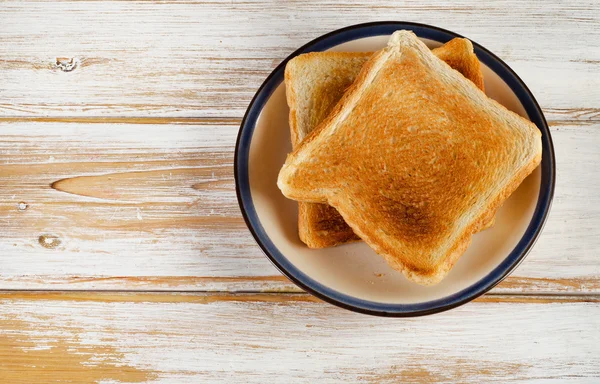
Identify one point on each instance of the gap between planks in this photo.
(215, 297)
(511, 286)
(126, 120)
(554, 117)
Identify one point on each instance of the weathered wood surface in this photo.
(203, 338)
(117, 126)
(207, 58)
(153, 206)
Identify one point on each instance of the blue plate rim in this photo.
(512, 260)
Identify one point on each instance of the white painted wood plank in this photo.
(153, 206)
(290, 339)
(207, 58)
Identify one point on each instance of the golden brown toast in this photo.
(415, 158)
(315, 82)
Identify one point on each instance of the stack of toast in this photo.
(401, 148)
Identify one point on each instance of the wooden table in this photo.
(123, 254)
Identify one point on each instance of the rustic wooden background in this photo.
(123, 255)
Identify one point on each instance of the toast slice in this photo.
(315, 82)
(415, 158)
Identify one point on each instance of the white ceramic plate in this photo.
(352, 275)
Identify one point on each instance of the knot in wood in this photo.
(66, 64)
(49, 241)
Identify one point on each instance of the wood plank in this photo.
(207, 58)
(136, 205)
(167, 338)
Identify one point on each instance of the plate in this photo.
(353, 276)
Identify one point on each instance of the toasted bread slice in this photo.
(415, 158)
(315, 82)
(458, 54)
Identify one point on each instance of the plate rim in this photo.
(483, 285)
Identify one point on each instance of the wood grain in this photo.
(140, 205)
(207, 58)
(167, 338)
(117, 126)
